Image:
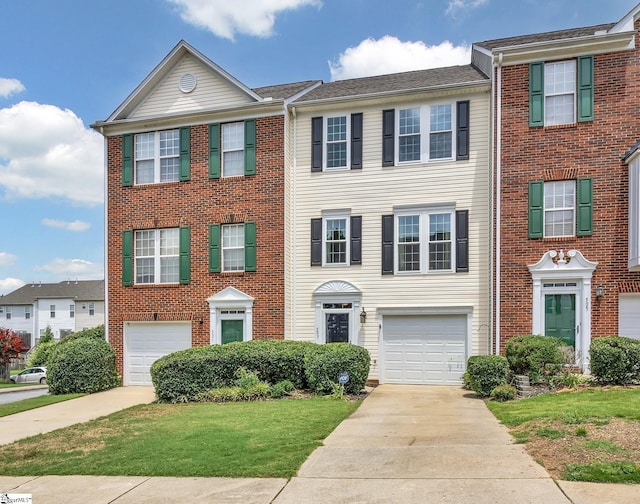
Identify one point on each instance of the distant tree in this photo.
(10, 347)
(47, 335)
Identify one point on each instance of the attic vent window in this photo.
(187, 83)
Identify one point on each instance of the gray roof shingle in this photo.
(544, 37)
(283, 91)
(80, 290)
(404, 81)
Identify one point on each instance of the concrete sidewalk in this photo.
(404, 444)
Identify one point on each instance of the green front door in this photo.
(231, 330)
(560, 317)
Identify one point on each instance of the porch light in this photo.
(599, 292)
(363, 316)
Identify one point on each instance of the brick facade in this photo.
(197, 203)
(589, 149)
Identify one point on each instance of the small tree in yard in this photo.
(47, 335)
(10, 347)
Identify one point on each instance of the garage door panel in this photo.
(147, 342)
(629, 315)
(427, 349)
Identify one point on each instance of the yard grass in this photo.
(251, 439)
(34, 402)
(13, 385)
(592, 434)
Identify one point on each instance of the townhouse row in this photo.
(426, 216)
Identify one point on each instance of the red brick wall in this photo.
(198, 203)
(590, 149)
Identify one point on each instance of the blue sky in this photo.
(65, 64)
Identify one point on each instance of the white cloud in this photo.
(225, 18)
(69, 226)
(10, 86)
(8, 285)
(391, 55)
(7, 259)
(73, 268)
(48, 152)
(457, 6)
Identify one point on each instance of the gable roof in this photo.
(163, 68)
(79, 290)
(536, 38)
(399, 82)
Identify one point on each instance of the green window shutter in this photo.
(584, 205)
(214, 150)
(127, 160)
(536, 94)
(185, 156)
(127, 257)
(585, 88)
(250, 147)
(536, 209)
(249, 246)
(214, 248)
(185, 255)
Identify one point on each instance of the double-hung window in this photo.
(425, 240)
(156, 156)
(232, 247)
(233, 149)
(157, 255)
(336, 142)
(425, 133)
(336, 239)
(561, 92)
(8, 312)
(92, 309)
(27, 312)
(560, 208)
(52, 311)
(336, 243)
(72, 311)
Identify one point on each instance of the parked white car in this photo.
(31, 375)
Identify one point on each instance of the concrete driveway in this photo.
(421, 444)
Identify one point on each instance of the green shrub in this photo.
(615, 360)
(93, 332)
(324, 364)
(183, 375)
(40, 354)
(531, 354)
(248, 387)
(504, 393)
(84, 365)
(486, 372)
(281, 389)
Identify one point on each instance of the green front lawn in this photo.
(251, 439)
(34, 402)
(591, 434)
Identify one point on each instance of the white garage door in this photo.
(424, 349)
(147, 342)
(629, 315)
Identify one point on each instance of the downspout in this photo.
(106, 237)
(294, 223)
(498, 205)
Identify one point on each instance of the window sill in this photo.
(232, 273)
(154, 184)
(572, 125)
(158, 285)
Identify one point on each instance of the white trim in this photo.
(337, 291)
(230, 299)
(554, 267)
(325, 143)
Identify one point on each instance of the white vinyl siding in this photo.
(460, 185)
(212, 91)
